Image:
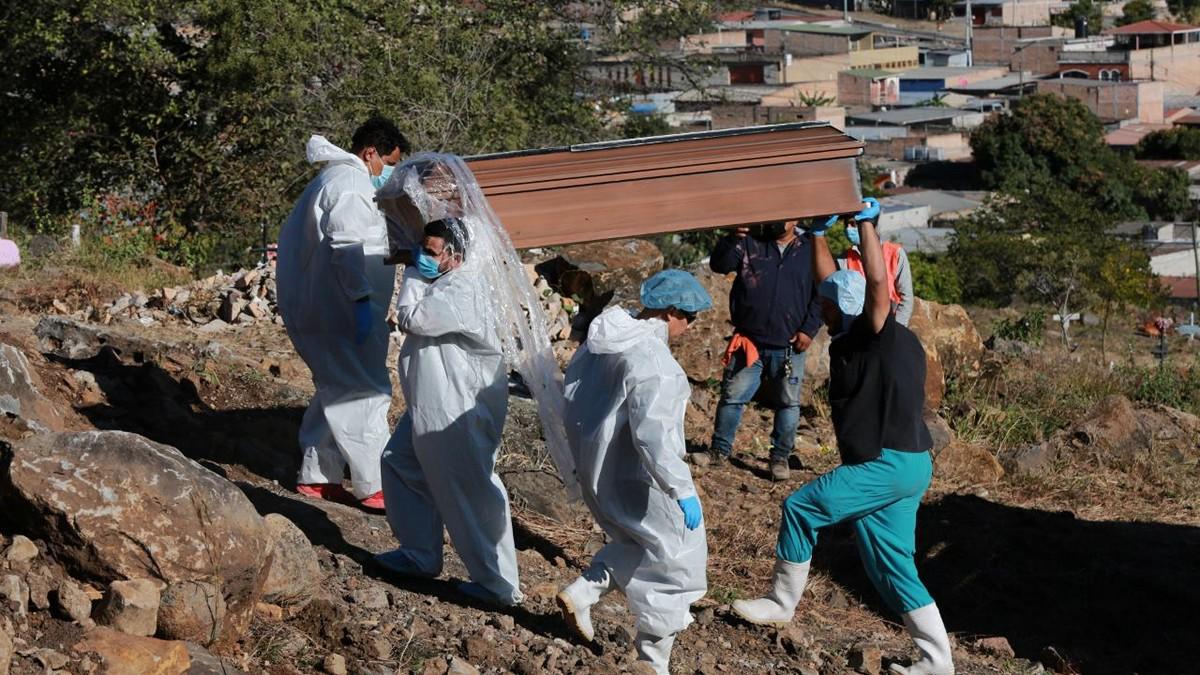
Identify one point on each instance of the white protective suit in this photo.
(626, 398)
(439, 467)
(331, 252)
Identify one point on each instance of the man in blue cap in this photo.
(626, 398)
(877, 396)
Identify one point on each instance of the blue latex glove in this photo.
(362, 321)
(691, 512)
(820, 230)
(870, 209)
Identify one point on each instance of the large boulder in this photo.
(967, 463)
(700, 348)
(192, 611)
(113, 505)
(122, 654)
(21, 392)
(618, 265)
(1111, 428)
(294, 574)
(948, 332)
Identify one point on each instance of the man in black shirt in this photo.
(877, 392)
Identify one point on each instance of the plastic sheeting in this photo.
(432, 186)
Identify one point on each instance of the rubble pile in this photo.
(244, 297)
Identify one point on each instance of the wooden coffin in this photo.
(674, 183)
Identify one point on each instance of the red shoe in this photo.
(333, 492)
(374, 502)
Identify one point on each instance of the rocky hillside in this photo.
(147, 455)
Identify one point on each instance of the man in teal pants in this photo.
(877, 394)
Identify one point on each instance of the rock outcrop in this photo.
(21, 392)
(122, 654)
(113, 505)
(294, 574)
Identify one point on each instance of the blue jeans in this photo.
(738, 387)
(881, 498)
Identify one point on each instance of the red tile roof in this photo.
(1183, 288)
(1152, 27)
(735, 16)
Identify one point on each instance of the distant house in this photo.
(1146, 50)
(922, 84)
(1009, 12)
(915, 134)
(1112, 101)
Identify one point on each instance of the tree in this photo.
(641, 125)
(1177, 143)
(1135, 11)
(202, 107)
(1123, 280)
(1047, 140)
(935, 278)
(1187, 11)
(1087, 9)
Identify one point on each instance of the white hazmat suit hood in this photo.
(331, 251)
(626, 398)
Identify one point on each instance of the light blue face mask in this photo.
(426, 266)
(384, 174)
(852, 235)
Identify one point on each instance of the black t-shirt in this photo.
(877, 391)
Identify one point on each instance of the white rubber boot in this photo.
(656, 651)
(929, 633)
(576, 600)
(787, 585)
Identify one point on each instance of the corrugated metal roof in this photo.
(870, 73)
(939, 72)
(938, 201)
(820, 29)
(906, 116)
(736, 94)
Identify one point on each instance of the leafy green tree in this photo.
(1092, 11)
(1135, 11)
(640, 125)
(1187, 11)
(202, 107)
(1123, 280)
(1177, 143)
(1047, 140)
(935, 278)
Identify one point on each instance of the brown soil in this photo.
(1080, 562)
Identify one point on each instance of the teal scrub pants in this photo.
(881, 497)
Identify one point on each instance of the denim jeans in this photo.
(738, 387)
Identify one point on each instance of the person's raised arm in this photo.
(879, 302)
(823, 264)
(726, 255)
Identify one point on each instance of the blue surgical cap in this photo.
(847, 288)
(675, 288)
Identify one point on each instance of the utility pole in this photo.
(1196, 254)
(970, 34)
(846, 11)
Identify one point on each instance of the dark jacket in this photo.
(774, 295)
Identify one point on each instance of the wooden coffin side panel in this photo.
(514, 173)
(676, 203)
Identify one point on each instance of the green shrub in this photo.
(1029, 327)
(934, 278)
